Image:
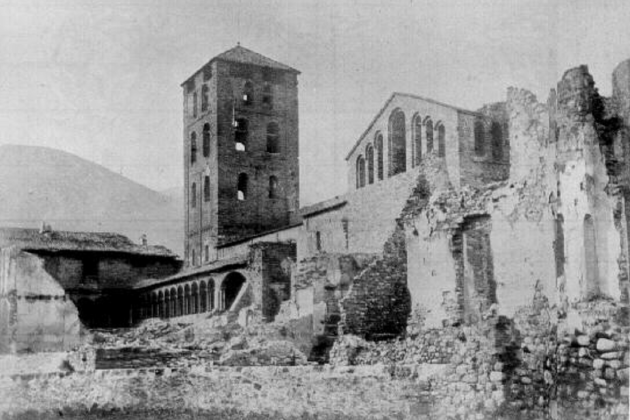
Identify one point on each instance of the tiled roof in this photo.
(240, 54)
(238, 260)
(323, 206)
(35, 240)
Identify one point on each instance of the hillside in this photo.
(71, 193)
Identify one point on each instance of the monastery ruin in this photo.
(477, 268)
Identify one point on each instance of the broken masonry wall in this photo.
(591, 362)
(593, 242)
(620, 103)
(363, 224)
(478, 168)
(36, 313)
(276, 281)
(325, 279)
(431, 276)
(377, 304)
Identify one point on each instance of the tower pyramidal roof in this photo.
(243, 55)
(240, 54)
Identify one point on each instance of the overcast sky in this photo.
(101, 78)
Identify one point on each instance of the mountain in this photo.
(70, 193)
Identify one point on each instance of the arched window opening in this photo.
(193, 147)
(204, 98)
(267, 99)
(206, 253)
(369, 155)
(230, 288)
(428, 126)
(479, 139)
(241, 193)
(241, 128)
(591, 269)
(210, 295)
(194, 99)
(167, 304)
(273, 187)
(397, 143)
(193, 258)
(441, 140)
(360, 172)
(193, 195)
(496, 134)
(206, 188)
(180, 301)
(186, 300)
(273, 145)
(379, 155)
(160, 304)
(417, 140)
(203, 297)
(173, 302)
(194, 299)
(318, 241)
(248, 93)
(206, 140)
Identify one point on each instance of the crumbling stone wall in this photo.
(378, 303)
(262, 392)
(548, 252)
(35, 312)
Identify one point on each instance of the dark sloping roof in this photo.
(223, 264)
(323, 206)
(240, 54)
(34, 240)
(243, 55)
(391, 98)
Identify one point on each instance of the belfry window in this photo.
(193, 195)
(241, 193)
(204, 98)
(248, 93)
(397, 143)
(206, 140)
(206, 188)
(194, 99)
(267, 98)
(273, 187)
(241, 128)
(272, 138)
(193, 147)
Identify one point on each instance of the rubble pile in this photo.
(157, 342)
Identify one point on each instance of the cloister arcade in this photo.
(192, 297)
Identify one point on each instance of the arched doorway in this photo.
(230, 288)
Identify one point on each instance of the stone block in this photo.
(598, 364)
(605, 345)
(610, 355)
(496, 376)
(583, 340)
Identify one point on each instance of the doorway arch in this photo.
(230, 288)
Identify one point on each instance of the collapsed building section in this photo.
(55, 283)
